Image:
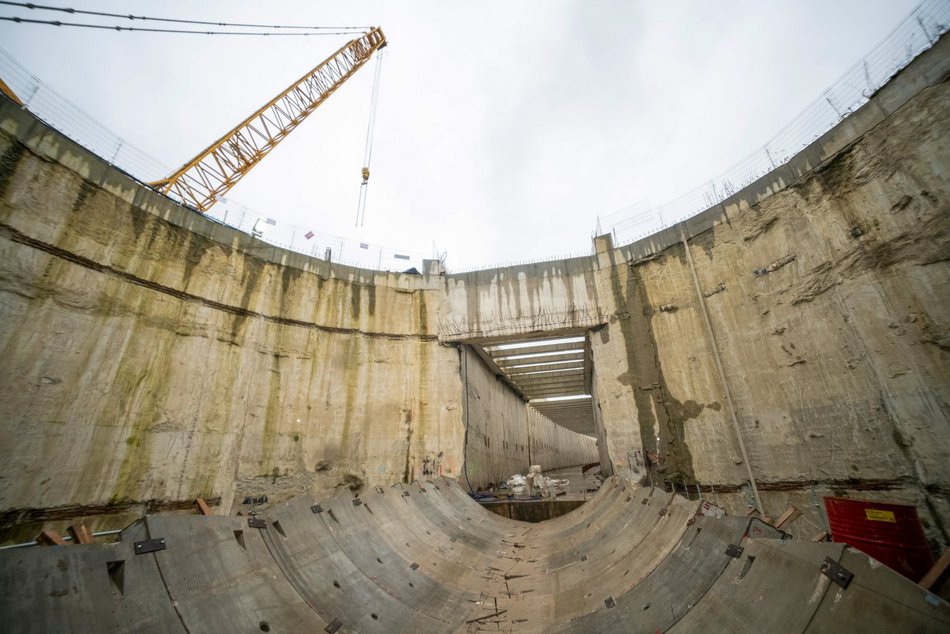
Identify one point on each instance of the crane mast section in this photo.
(203, 180)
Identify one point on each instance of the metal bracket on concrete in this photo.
(316, 508)
(256, 522)
(734, 551)
(333, 626)
(609, 602)
(836, 572)
(149, 545)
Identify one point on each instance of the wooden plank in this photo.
(936, 571)
(50, 538)
(80, 534)
(788, 517)
(203, 508)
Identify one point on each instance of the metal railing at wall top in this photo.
(491, 324)
(913, 35)
(515, 263)
(316, 244)
(61, 114)
(917, 32)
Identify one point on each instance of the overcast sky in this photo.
(503, 128)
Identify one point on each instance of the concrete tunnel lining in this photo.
(107, 285)
(425, 557)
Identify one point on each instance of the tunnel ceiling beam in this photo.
(546, 365)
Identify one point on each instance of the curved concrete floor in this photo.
(426, 558)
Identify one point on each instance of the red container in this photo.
(890, 533)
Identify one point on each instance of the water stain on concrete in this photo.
(196, 248)
(253, 268)
(657, 409)
(8, 165)
(355, 300)
(86, 189)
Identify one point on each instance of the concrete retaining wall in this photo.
(151, 355)
(825, 284)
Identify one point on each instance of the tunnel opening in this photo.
(577, 485)
(531, 449)
(532, 511)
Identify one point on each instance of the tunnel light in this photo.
(555, 399)
(537, 355)
(542, 364)
(555, 371)
(536, 343)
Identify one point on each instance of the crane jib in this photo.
(203, 180)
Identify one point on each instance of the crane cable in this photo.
(153, 30)
(368, 151)
(42, 7)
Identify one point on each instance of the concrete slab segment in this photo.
(221, 577)
(83, 588)
(872, 599)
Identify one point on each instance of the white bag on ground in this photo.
(516, 484)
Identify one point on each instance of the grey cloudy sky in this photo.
(504, 128)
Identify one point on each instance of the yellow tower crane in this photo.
(202, 181)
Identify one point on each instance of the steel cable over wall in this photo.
(915, 34)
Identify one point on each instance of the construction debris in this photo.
(535, 484)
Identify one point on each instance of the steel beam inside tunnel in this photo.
(543, 366)
(424, 557)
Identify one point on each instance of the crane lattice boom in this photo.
(200, 182)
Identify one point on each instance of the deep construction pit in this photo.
(533, 511)
(791, 341)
